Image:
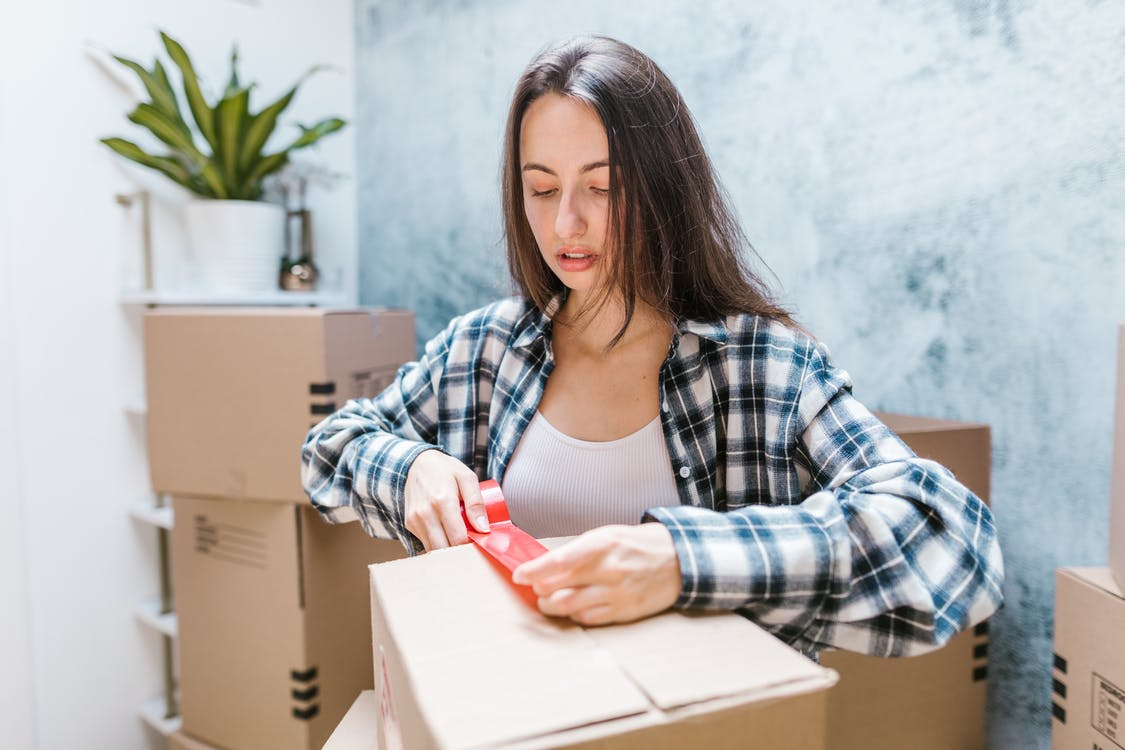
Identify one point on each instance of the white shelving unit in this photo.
(152, 613)
(162, 712)
(146, 511)
(154, 713)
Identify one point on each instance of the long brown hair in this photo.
(677, 246)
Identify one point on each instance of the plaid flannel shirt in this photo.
(799, 509)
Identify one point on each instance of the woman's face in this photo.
(564, 156)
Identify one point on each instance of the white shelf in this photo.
(146, 511)
(268, 297)
(136, 409)
(153, 710)
(149, 614)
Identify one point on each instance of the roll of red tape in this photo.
(505, 542)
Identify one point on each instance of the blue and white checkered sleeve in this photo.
(355, 462)
(890, 556)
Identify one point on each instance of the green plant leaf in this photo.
(233, 84)
(264, 123)
(263, 168)
(158, 123)
(158, 88)
(231, 118)
(316, 132)
(260, 128)
(164, 128)
(167, 166)
(161, 76)
(200, 109)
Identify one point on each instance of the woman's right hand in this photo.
(436, 487)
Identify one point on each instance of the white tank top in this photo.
(556, 485)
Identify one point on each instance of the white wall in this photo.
(15, 692)
(72, 562)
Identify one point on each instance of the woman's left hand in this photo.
(610, 574)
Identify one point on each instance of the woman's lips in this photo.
(575, 259)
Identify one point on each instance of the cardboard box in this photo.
(273, 610)
(464, 661)
(1117, 485)
(936, 701)
(1088, 681)
(232, 392)
(359, 729)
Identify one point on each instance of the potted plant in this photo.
(221, 157)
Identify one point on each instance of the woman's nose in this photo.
(569, 222)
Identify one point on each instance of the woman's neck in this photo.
(593, 331)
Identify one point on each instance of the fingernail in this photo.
(518, 576)
(481, 522)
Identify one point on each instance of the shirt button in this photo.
(685, 472)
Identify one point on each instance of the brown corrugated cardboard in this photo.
(463, 661)
(1088, 681)
(1117, 487)
(359, 729)
(232, 392)
(935, 701)
(273, 609)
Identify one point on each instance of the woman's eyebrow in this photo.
(536, 167)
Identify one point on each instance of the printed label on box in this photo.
(1107, 709)
(391, 731)
(370, 383)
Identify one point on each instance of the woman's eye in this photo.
(541, 193)
(600, 191)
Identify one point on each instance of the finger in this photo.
(469, 487)
(435, 533)
(601, 614)
(428, 532)
(573, 563)
(449, 514)
(567, 601)
(533, 572)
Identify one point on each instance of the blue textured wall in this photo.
(938, 187)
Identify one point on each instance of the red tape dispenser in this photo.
(505, 543)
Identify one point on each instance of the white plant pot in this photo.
(236, 245)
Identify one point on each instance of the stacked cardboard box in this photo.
(272, 603)
(1088, 678)
(935, 701)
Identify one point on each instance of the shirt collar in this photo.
(713, 330)
(537, 325)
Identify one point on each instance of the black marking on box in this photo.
(1060, 663)
(306, 695)
(306, 676)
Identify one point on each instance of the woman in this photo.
(644, 374)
